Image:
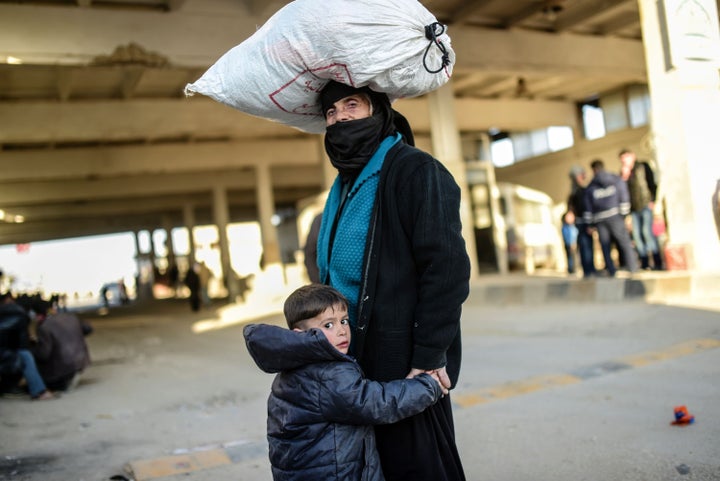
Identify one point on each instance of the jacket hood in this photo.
(604, 179)
(275, 349)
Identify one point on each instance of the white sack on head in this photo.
(278, 72)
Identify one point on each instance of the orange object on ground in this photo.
(682, 416)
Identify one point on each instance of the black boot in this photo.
(644, 263)
(657, 262)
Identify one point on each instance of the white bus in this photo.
(515, 226)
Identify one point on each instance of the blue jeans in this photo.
(645, 241)
(586, 250)
(570, 254)
(35, 383)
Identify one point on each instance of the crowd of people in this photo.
(42, 347)
(620, 208)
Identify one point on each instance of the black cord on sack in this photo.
(432, 32)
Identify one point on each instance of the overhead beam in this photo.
(467, 8)
(66, 36)
(174, 5)
(619, 23)
(112, 207)
(67, 230)
(137, 205)
(525, 13)
(123, 120)
(523, 51)
(102, 162)
(39, 192)
(592, 10)
(45, 122)
(478, 115)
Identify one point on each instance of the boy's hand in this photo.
(440, 375)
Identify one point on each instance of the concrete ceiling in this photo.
(97, 136)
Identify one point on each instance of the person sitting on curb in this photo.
(16, 360)
(60, 350)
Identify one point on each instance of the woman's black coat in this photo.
(416, 270)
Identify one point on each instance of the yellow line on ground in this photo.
(672, 352)
(180, 464)
(517, 388)
(512, 389)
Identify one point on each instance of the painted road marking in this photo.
(199, 458)
(180, 464)
(467, 399)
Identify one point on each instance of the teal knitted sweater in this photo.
(343, 269)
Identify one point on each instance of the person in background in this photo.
(607, 204)
(391, 242)
(310, 249)
(60, 350)
(321, 407)
(205, 274)
(192, 281)
(576, 205)
(640, 180)
(16, 360)
(570, 236)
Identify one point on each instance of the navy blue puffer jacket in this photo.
(321, 409)
(14, 335)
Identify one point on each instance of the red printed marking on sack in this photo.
(308, 82)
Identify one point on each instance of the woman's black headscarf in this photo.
(350, 145)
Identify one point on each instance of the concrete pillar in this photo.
(499, 227)
(189, 221)
(447, 148)
(485, 152)
(152, 247)
(266, 209)
(138, 254)
(221, 216)
(682, 51)
(145, 277)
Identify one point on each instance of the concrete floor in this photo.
(548, 391)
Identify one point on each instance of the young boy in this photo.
(570, 239)
(321, 409)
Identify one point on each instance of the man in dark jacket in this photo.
(321, 407)
(60, 351)
(607, 203)
(391, 242)
(576, 205)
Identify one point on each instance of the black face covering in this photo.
(351, 144)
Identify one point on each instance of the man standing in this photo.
(576, 205)
(390, 240)
(606, 201)
(641, 184)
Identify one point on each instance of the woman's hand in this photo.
(440, 375)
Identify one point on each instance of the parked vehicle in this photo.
(514, 225)
(533, 237)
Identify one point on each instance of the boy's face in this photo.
(333, 322)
